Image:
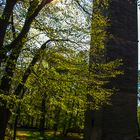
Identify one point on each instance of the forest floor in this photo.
(32, 135)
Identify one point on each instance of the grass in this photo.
(35, 135)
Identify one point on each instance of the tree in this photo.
(119, 120)
(123, 45)
(101, 69)
(14, 47)
(56, 76)
(11, 48)
(23, 25)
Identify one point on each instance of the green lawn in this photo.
(34, 135)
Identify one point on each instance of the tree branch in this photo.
(33, 62)
(4, 19)
(18, 43)
(83, 8)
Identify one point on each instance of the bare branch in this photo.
(83, 8)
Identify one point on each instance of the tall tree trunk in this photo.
(4, 21)
(32, 122)
(16, 122)
(93, 125)
(120, 119)
(3, 120)
(57, 113)
(43, 110)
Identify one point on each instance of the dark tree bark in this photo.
(57, 114)
(4, 117)
(119, 120)
(43, 110)
(93, 125)
(32, 122)
(16, 122)
(4, 20)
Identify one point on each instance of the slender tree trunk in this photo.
(32, 122)
(36, 122)
(16, 122)
(42, 120)
(57, 113)
(64, 133)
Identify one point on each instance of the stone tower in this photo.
(119, 120)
